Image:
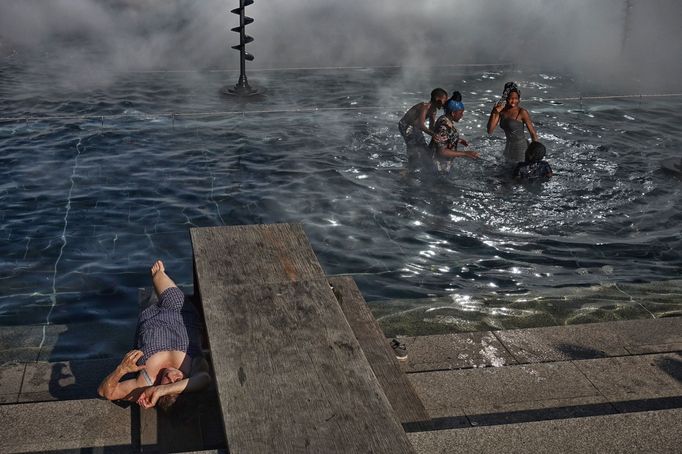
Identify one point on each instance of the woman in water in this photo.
(511, 117)
(446, 138)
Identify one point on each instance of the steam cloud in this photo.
(583, 38)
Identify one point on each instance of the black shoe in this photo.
(399, 349)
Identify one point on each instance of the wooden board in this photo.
(398, 389)
(256, 254)
(291, 376)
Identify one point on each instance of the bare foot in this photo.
(156, 267)
(160, 279)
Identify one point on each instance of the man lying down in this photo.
(168, 358)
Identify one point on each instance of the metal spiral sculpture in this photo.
(242, 88)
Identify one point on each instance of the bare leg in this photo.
(160, 279)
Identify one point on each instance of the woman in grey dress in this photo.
(511, 117)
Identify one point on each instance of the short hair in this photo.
(166, 402)
(438, 92)
(535, 152)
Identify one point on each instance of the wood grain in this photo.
(290, 374)
(398, 389)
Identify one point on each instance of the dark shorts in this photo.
(413, 136)
(172, 298)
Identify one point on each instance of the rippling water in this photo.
(99, 182)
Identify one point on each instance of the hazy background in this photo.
(94, 40)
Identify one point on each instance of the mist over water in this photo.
(603, 42)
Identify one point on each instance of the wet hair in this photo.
(535, 152)
(456, 96)
(508, 88)
(438, 92)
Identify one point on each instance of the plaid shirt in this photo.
(170, 325)
(445, 136)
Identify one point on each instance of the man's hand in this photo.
(129, 362)
(150, 396)
(112, 388)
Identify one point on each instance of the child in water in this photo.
(446, 138)
(413, 125)
(533, 167)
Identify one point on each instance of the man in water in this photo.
(413, 125)
(168, 358)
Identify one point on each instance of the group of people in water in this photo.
(446, 144)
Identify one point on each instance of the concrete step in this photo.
(40, 381)
(558, 390)
(536, 374)
(65, 425)
(535, 345)
(644, 432)
(59, 342)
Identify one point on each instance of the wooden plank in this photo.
(291, 376)
(257, 254)
(398, 389)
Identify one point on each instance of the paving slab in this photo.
(644, 432)
(504, 391)
(63, 425)
(26, 343)
(593, 340)
(563, 343)
(64, 380)
(11, 375)
(651, 336)
(630, 382)
(20, 343)
(454, 351)
(19, 355)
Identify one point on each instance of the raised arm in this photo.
(112, 388)
(525, 117)
(199, 379)
(494, 118)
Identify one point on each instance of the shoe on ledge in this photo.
(399, 349)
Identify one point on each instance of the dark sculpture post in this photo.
(242, 88)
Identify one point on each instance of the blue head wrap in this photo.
(452, 106)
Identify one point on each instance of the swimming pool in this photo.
(96, 183)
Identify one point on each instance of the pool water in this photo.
(98, 181)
